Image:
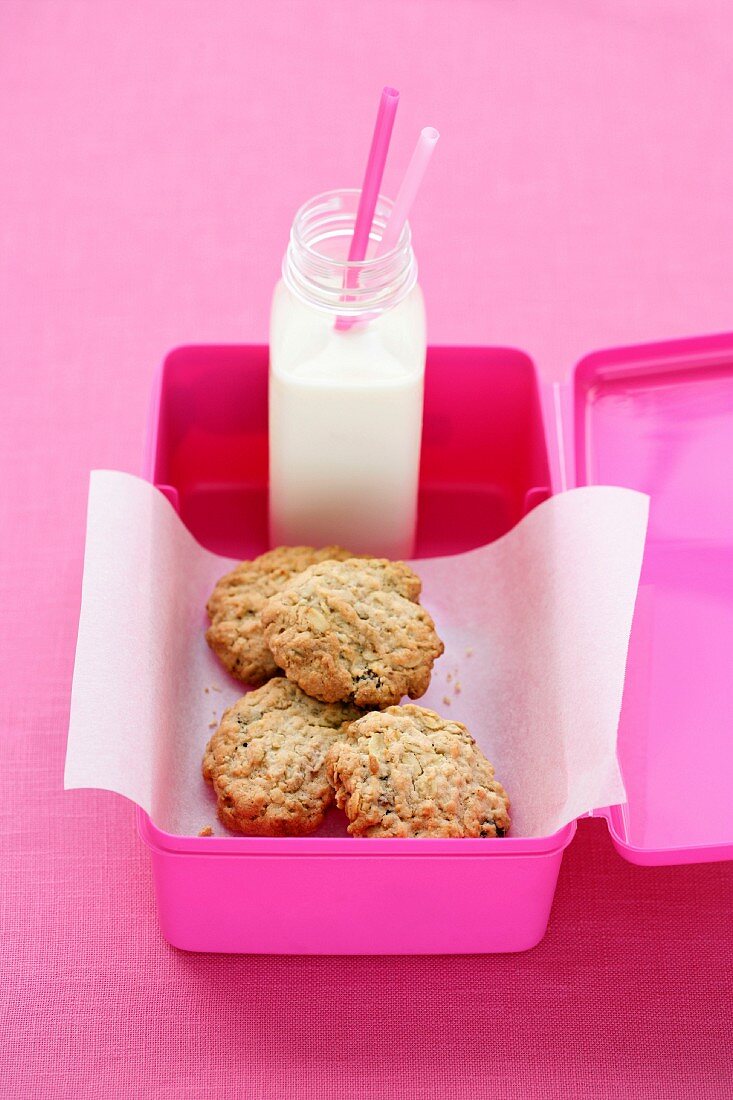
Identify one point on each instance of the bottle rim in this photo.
(333, 283)
(324, 199)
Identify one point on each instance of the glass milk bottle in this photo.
(346, 385)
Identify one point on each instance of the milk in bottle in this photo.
(345, 398)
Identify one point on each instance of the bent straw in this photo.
(371, 185)
(409, 188)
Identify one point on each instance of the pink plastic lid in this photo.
(659, 418)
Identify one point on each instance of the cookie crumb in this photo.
(457, 688)
(446, 700)
(215, 688)
(206, 831)
(213, 725)
(469, 652)
(206, 690)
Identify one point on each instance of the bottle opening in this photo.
(316, 264)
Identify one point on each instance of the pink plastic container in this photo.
(495, 444)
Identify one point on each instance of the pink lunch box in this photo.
(496, 442)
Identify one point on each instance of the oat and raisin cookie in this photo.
(234, 607)
(353, 630)
(406, 771)
(267, 759)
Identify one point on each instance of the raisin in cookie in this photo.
(408, 772)
(235, 634)
(267, 759)
(353, 630)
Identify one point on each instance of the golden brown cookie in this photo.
(353, 630)
(234, 607)
(267, 760)
(406, 771)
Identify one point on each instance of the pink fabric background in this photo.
(153, 154)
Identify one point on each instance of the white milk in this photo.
(345, 404)
(345, 426)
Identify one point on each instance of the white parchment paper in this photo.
(536, 628)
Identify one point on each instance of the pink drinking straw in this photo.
(370, 187)
(409, 188)
(402, 205)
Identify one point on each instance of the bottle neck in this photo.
(316, 268)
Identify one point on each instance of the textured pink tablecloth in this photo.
(152, 156)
